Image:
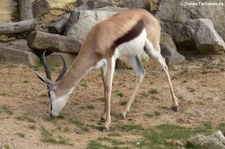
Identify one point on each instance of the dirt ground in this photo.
(199, 84)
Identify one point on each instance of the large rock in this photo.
(204, 142)
(40, 7)
(59, 26)
(199, 34)
(17, 52)
(169, 50)
(25, 9)
(52, 42)
(173, 13)
(171, 55)
(93, 4)
(81, 21)
(145, 4)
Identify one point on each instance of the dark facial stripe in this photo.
(133, 33)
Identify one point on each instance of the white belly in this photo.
(131, 48)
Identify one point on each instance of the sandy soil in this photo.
(199, 84)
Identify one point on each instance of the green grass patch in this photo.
(93, 144)
(44, 95)
(101, 98)
(80, 125)
(153, 91)
(119, 94)
(123, 103)
(131, 128)
(156, 137)
(153, 114)
(26, 81)
(53, 120)
(46, 136)
(6, 146)
(3, 94)
(88, 106)
(6, 109)
(21, 135)
(31, 127)
(108, 143)
(26, 118)
(10, 65)
(146, 94)
(221, 126)
(36, 67)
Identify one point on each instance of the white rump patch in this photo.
(132, 47)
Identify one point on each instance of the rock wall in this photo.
(174, 12)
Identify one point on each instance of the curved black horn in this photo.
(48, 74)
(63, 69)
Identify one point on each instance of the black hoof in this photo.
(175, 109)
(121, 117)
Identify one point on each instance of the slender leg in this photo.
(108, 87)
(103, 71)
(140, 73)
(151, 51)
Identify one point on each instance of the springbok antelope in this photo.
(126, 33)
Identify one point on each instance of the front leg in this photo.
(108, 91)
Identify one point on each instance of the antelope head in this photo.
(56, 102)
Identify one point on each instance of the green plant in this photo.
(7, 110)
(21, 135)
(25, 118)
(153, 91)
(6, 146)
(49, 138)
(26, 81)
(119, 94)
(31, 126)
(79, 124)
(2, 94)
(88, 106)
(123, 102)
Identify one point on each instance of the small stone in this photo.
(194, 112)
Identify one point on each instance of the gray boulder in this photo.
(94, 4)
(40, 7)
(169, 50)
(81, 21)
(201, 35)
(171, 55)
(207, 40)
(207, 142)
(145, 4)
(17, 52)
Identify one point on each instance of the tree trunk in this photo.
(25, 9)
(17, 27)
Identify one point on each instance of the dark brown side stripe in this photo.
(131, 34)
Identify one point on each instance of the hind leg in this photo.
(151, 51)
(140, 73)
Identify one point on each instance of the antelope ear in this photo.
(46, 81)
